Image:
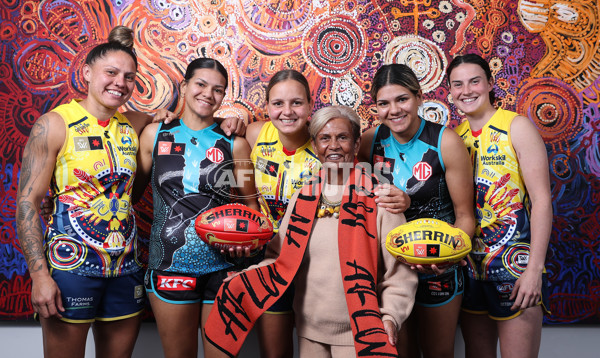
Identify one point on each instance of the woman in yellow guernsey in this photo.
(283, 159)
(505, 284)
(84, 269)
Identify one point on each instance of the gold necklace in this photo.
(327, 208)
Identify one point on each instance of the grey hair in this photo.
(321, 117)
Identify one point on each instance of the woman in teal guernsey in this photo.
(506, 285)
(84, 270)
(192, 162)
(432, 166)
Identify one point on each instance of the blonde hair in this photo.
(321, 117)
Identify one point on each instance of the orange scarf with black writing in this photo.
(242, 300)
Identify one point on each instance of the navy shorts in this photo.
(493, 297)
(434, 291)
(178, 288)
(285, 303)
(89, 299)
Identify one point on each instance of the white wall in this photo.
(24, 340)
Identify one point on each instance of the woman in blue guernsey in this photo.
(192, 164)
(433, 167)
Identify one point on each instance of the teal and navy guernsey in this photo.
(191, 173)
(417, 168)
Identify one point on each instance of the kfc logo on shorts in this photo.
(422, 171)
(176, 283)
(215, 155)
(435, 285)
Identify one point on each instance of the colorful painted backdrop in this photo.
(544, 54)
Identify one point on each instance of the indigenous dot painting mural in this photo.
(544, 54)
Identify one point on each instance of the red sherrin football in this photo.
(232, 225)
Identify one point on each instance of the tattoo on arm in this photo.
(29, 227)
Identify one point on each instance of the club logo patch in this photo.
(170, 148)
(87, 143)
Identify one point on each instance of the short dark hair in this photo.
(395, 74)
(476, 60)
(205, 62)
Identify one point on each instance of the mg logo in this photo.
(215, 155)
(422, 171)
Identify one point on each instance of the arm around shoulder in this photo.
(138, 120)
(144, 161)
(244, 173)
(253, 131)
(366, 142)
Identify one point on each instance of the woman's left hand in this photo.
(429, 269)
(233, 125)
(238, 251)
(527, 291)
(390, 329)
(391, 198)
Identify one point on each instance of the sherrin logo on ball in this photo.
(428, 241)
(231, 225)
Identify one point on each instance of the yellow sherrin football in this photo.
(428, 241)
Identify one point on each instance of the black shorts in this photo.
(179, 288)
(436, 291)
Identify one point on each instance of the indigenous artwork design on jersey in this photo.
(544, 54)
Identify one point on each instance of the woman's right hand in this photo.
(163, 115)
